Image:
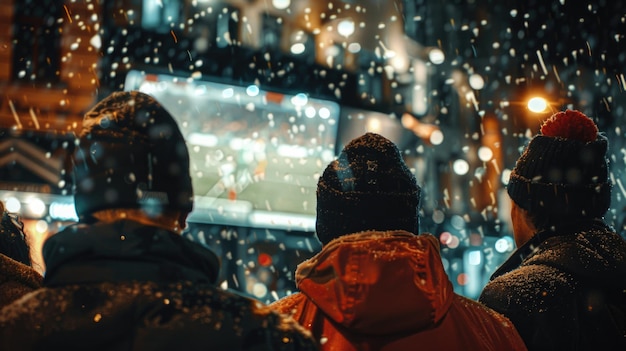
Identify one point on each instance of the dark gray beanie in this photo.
(131, 154)
(563, 172)
(368, 187)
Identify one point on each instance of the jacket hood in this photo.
(102, 252)
(378, 282)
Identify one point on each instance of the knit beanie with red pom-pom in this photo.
(563, 172)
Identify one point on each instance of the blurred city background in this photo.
(267, 92)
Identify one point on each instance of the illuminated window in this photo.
(272, 30)
(335, 55)
(370, 81)
(216, 28)
(158, 15)
(36, 40)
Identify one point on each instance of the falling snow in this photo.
(263, 111)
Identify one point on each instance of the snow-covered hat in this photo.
(131, 154)
(563, 171)
(369, 187)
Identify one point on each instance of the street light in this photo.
(537, 104)
(436, 56)
(460, 166)
(429, 133)
(346, 27)
(281, 4)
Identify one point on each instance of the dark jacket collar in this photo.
(532, 246)
(125, 251)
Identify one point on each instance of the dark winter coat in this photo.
(389, 291)
(16, 279)
(565, 290)
(126, 286)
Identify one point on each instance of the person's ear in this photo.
(182, 220)
(523, 228)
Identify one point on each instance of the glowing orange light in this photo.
(264, 259)
(445, 238)
(462, 279)
(232, 194)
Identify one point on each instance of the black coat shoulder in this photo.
(567, 293)
(146, 316)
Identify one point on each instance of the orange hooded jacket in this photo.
(389, 291)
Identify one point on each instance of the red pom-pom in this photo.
(570, 124)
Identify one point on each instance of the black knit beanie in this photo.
(368, 187)
(131, 154)
(563, 172)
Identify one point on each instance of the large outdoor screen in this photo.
(255, 155)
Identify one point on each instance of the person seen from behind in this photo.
(376, 285)
(564, 287)
(17, 275)
(123, 277)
